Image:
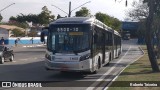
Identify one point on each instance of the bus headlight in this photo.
(84, 57)
(47, 56)
(0, 53)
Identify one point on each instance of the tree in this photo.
(139, 12)
(45, 16)
(18, 33)
(58, 16)
(12, 18)
(32, 34)
(1, 17)
(108, 20)
(149, 14)
(157, 34)
(153, 10)
(83, 12)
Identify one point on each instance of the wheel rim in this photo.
(2, 59)
(11, 59)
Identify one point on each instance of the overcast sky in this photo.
(109, 7)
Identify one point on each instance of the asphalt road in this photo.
(29, 66)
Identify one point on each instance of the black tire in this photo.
(1, 60)
(47, 68)
(11, 58)
(65, 72)
(97, 67)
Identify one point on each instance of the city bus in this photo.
(80, 44)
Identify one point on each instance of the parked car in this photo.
(6, 53)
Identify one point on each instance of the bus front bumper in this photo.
(83, 66)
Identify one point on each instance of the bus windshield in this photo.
(68, 38)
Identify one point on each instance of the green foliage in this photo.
(1, 17)
(43, 18)
(58, 16)
(18, 33)
(18, 24)
(108, 20)
(83, 12)
(32, 34)
(12, 18)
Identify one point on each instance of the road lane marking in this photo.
(32, 59)
(122, 71)
(91, 87)
(14, 61)
(23, 59)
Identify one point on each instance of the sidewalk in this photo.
(28, 45)
(139, 72)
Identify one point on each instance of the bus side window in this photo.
(95, 38)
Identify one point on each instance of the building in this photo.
(130, 27)
(6, 31)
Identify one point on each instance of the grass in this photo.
(138, 71)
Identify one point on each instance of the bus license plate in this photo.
(64, 68)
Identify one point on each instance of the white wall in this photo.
(4, 33)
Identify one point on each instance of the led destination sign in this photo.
(73, 29)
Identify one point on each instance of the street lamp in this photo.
(7, 7)
(70, 11)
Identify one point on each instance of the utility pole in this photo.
(70, 11)
(7, 7)
(69, 14)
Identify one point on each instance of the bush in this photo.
(18, 33)
(32, 34)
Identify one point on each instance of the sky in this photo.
(110, 7)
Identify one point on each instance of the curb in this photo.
(25, 46)
(33, 46)
(141, 50)
(105, 88)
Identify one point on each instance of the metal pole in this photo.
(6, 7)
(60, 9)
(81, 5)
(70, 11)
(69, 14)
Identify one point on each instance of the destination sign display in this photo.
(73, 29)
(75, 33)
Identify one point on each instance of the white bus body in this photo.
(91, 44)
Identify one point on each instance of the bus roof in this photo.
(83, 20)
(73, 20)
(115, 32)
